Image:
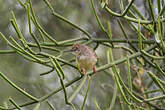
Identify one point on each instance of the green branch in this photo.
(18, 88)
(66, 20)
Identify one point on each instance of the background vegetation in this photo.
(37, 73)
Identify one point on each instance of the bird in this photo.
(85, 56)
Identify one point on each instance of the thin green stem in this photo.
(66, 20)
(86, 95)
(37, 107)
(138, 12)
(129, 75)
(127, 8)
(2, 108)
(134, 27)
(97, 105)
(19, 33)
(152, 91)
(109, 31)
(7, 51)
(77, 90)
(140, 37)
(50, 105)
(47, 72)
(98, 20)
(38, 25)
(126, 17)
(151, 9)
(59, 68)
(14, 103)
(158, 5)
(155, 98)
(157, 81)
(15, 25)
(113, 98)
(55, 67)
(30, 28)
(159, 68)
(27, 53)
(162, 10)
(152, 56)
(18, 88)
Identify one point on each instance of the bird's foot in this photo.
(83, 71)
(94, 69)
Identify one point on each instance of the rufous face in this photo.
(76, 48)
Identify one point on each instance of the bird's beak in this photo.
(69, 50)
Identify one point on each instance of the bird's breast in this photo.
(87, 62)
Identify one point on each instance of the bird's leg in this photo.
(83, 71)
(94, 69)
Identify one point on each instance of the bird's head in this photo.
(76, 48)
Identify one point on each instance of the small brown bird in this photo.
(86, 57)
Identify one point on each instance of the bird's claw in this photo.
(83, 71)
(94, 69)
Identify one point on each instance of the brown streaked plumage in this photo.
(86, 57)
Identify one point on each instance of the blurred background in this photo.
(26, 74)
